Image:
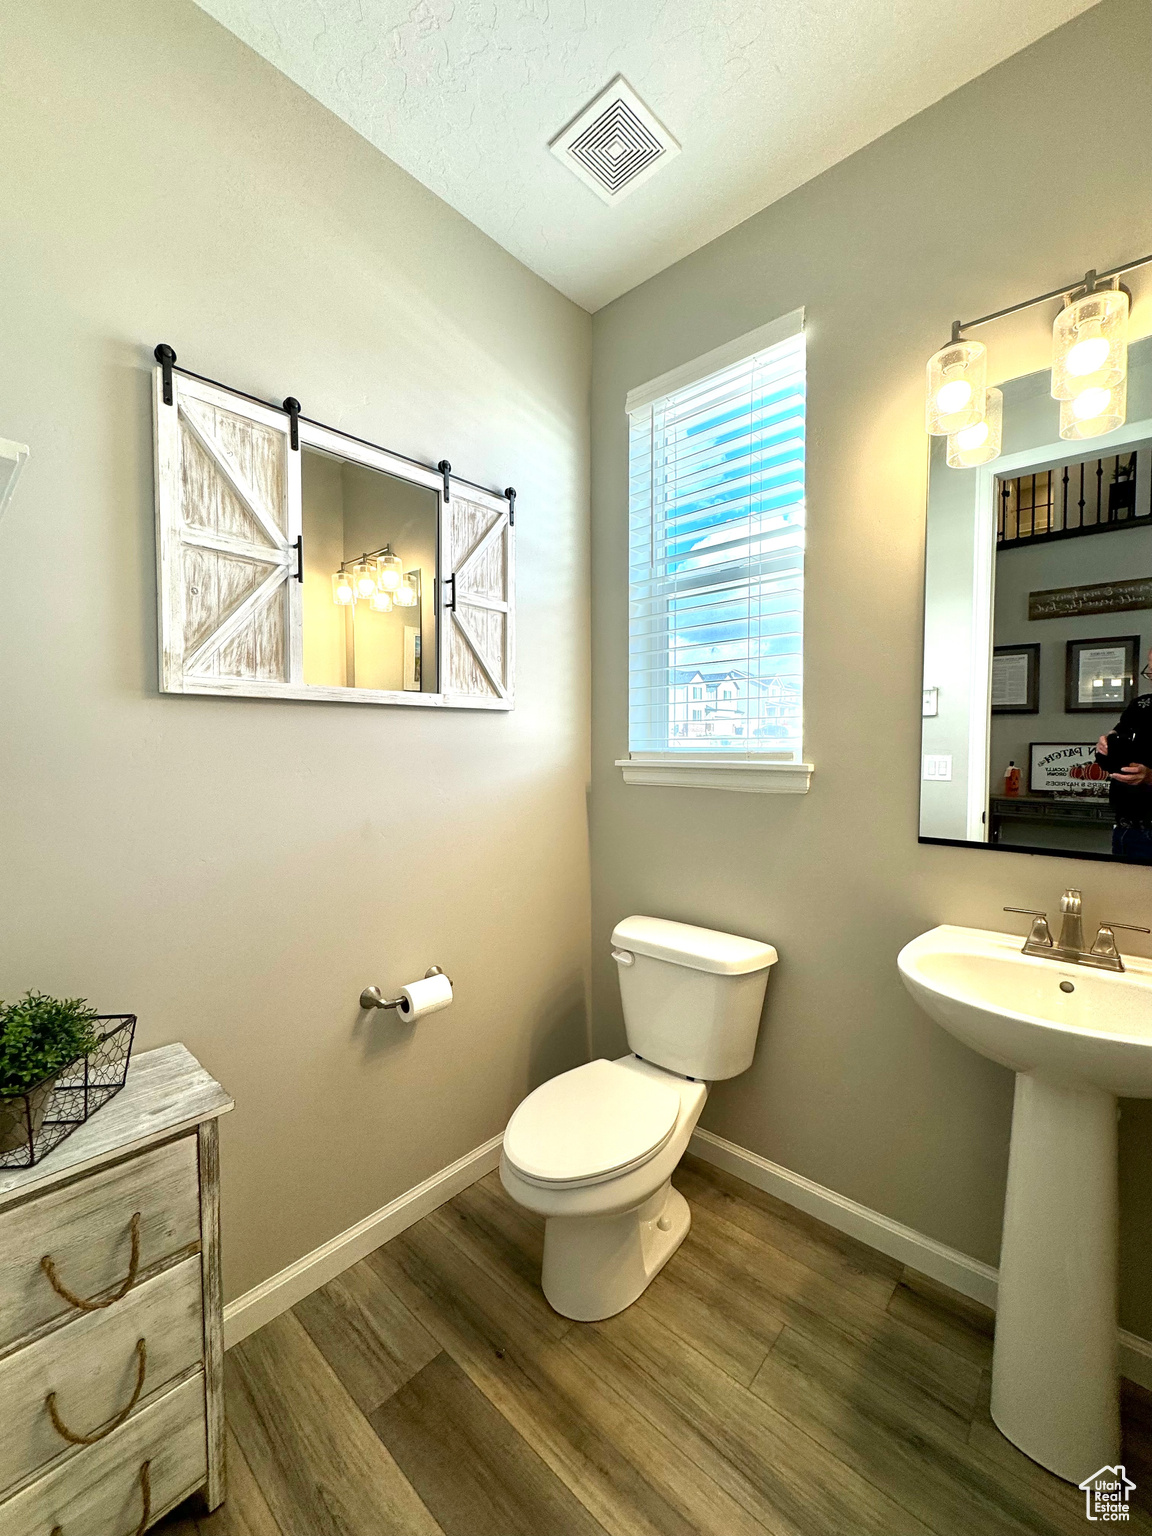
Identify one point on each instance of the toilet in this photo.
(594, 1150)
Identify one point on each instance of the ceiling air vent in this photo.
(615, 143)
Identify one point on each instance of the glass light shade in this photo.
(365, 578)
(979, 444)
(380, 602)
(343, 592)
(956, 377)
(1090, 344)
(391, 569)
(1094, 411)
(406, 595)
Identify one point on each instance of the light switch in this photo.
(938, 766)
(931, 702)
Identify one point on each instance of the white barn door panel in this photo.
(477, 621)
(228, 517)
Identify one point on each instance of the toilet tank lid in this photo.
(701, 949)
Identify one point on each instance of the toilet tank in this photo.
(692, 997)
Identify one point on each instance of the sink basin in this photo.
(1069, 1021)
(1077, 1038)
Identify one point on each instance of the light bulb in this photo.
(343, 592)
(956, 387)
(365, 578)
(953, 397)
(1094, 411)
(1090, 343)
(979, 444)
(972, 437)
(1090, 402)
(391, 572)
(380, 602)
(406, 595)
(1086, 356)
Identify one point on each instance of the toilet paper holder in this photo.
(372, 997)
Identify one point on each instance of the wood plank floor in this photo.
(777, 1377)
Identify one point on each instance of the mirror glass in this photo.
(1037, 630)
(369, 596)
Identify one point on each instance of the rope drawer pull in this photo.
(71, 1436)
(146, 1499)
(54, 1280)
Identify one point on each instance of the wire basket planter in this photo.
(32, 1124)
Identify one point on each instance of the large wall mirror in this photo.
(297, 562)
(1037, 631)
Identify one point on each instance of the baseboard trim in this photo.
(283, 1290)
(971, 1277)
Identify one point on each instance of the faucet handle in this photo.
(1105, 941)
(1039, 934)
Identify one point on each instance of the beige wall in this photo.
(1002, 190)
(236, 871)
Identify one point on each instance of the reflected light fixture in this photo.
(979, 444)
(956, 386)
(371, 578)
(407, 595)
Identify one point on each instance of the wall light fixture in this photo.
(979, 444)
(1089, 370)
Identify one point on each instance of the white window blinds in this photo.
(716, 552)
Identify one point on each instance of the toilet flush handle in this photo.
(623, 957)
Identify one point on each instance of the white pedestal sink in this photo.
(1076, 1038)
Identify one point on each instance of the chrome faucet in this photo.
(1104, 955)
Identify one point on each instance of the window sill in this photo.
(746, 775)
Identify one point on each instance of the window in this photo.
(716, 553)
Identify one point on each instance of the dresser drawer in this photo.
(86, 1231)
(99, 1491)
(94, 1365)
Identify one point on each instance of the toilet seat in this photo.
(591, 1124)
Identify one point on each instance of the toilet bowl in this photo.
(593, 1150)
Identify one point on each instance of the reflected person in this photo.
(1130, 793)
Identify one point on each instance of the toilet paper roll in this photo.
(427, 996)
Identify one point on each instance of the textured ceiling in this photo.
(761, 94)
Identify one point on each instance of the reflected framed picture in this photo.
(1100, 675)
(1016, 679)
(1066, 769)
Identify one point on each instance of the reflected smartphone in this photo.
(1118, 755)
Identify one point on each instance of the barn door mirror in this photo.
(298, 562)
(369, 566)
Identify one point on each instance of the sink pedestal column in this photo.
(1055, 1382)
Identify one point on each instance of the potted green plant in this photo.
(39, 1037)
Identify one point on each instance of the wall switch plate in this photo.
(938, 767)
(931, 702)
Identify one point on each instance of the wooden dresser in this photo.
(111, 1347)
